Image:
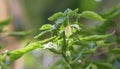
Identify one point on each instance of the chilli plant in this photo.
(80, 46)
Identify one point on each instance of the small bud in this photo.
(50, 45)
(68, 31)
(68, 53)
(79, 61)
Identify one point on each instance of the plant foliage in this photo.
(75, 42)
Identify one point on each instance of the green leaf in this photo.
(92, 15)
(47, 40)
(93, 66)
(105, 65)
(112, 13)
(116, 50)
(41, 34)
(1, 46)
(46, 26)
(61, 29)
(5, 22)
(103, 44)
(60, 20)
(67, 11)
(90, 51)
(73, 13)
(20, 33)
(56, 16)
(88, 4)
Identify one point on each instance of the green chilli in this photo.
(20, 52)
(95, 37)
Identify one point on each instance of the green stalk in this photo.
(3, 66)
(65, 58)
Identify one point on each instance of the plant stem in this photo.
(79, 55)
(65, 58)
(64, 47)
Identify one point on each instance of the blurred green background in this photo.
(37, 11)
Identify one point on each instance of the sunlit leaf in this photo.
(61, 29)
(46, 26)
(92, 15)
(55, 16)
